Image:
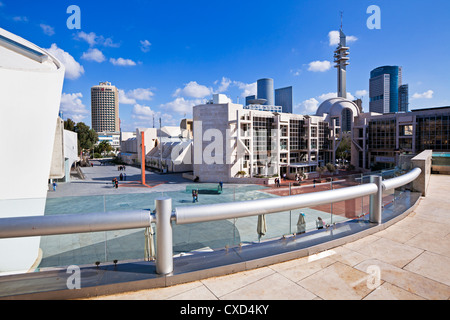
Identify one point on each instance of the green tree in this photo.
(320, 170)
(69, 125)
(86, 137)
(345, 148)
(331, 168)
(102, 147)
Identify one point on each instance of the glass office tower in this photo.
(283, 98)
(384, 89)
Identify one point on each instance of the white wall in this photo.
(29, 104)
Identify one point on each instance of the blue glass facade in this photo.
(393, 71)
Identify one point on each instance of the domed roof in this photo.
(334, 107)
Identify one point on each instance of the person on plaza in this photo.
(117, 184)
(194, 196)
(301, 223)
(54, 185)
(320, 223)
(221, 185)
(121, 177)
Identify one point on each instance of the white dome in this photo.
(334, 107)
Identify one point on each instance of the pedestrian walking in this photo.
(54, 185)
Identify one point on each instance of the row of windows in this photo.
(376, 98)
(433, 133)
(382, 134)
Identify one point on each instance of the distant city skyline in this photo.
(167, 57)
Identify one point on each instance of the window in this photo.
(406, 130)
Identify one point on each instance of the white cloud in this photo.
(93, 54)
(145, 45)
(122, 62)
(72, 107)
(426, 95)
(132, 96)
(193, 90)
(308, 106)
(20, 19)
(73, 69)
(181, 105)
(224, 85)
(330, 95)
(92, 39)
(248, 89)
(319, 66)
(295, 72)
(143, 117)
(48, 30)
(334, 38)
(88, 37)
(124, 99)
(361, 93)
(142, 112)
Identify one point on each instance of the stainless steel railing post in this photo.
(376, 200)
(164, 249)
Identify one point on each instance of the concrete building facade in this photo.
(380, 139)
(105, 108)
(232, 141)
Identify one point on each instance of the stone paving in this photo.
(407, 261)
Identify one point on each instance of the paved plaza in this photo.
(409, 260)
(96, 194)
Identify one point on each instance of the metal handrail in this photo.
(74, 223)
(106, 221)
(401, 180)
(222, 211)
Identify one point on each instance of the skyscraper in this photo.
(403, 100)
(105, 108)
(283, 98)
(386, 92)
(265, 91)
(266, 98)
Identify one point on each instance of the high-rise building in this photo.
(403, 100)
(105, 108)
(266, 99)
(283, 98)
(385, 88)
(265, 91)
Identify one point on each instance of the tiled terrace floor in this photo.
(408, 260)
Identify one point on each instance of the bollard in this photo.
(376, 200)
(164, 250)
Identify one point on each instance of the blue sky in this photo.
(166, 56)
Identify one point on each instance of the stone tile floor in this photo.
(409, 260)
